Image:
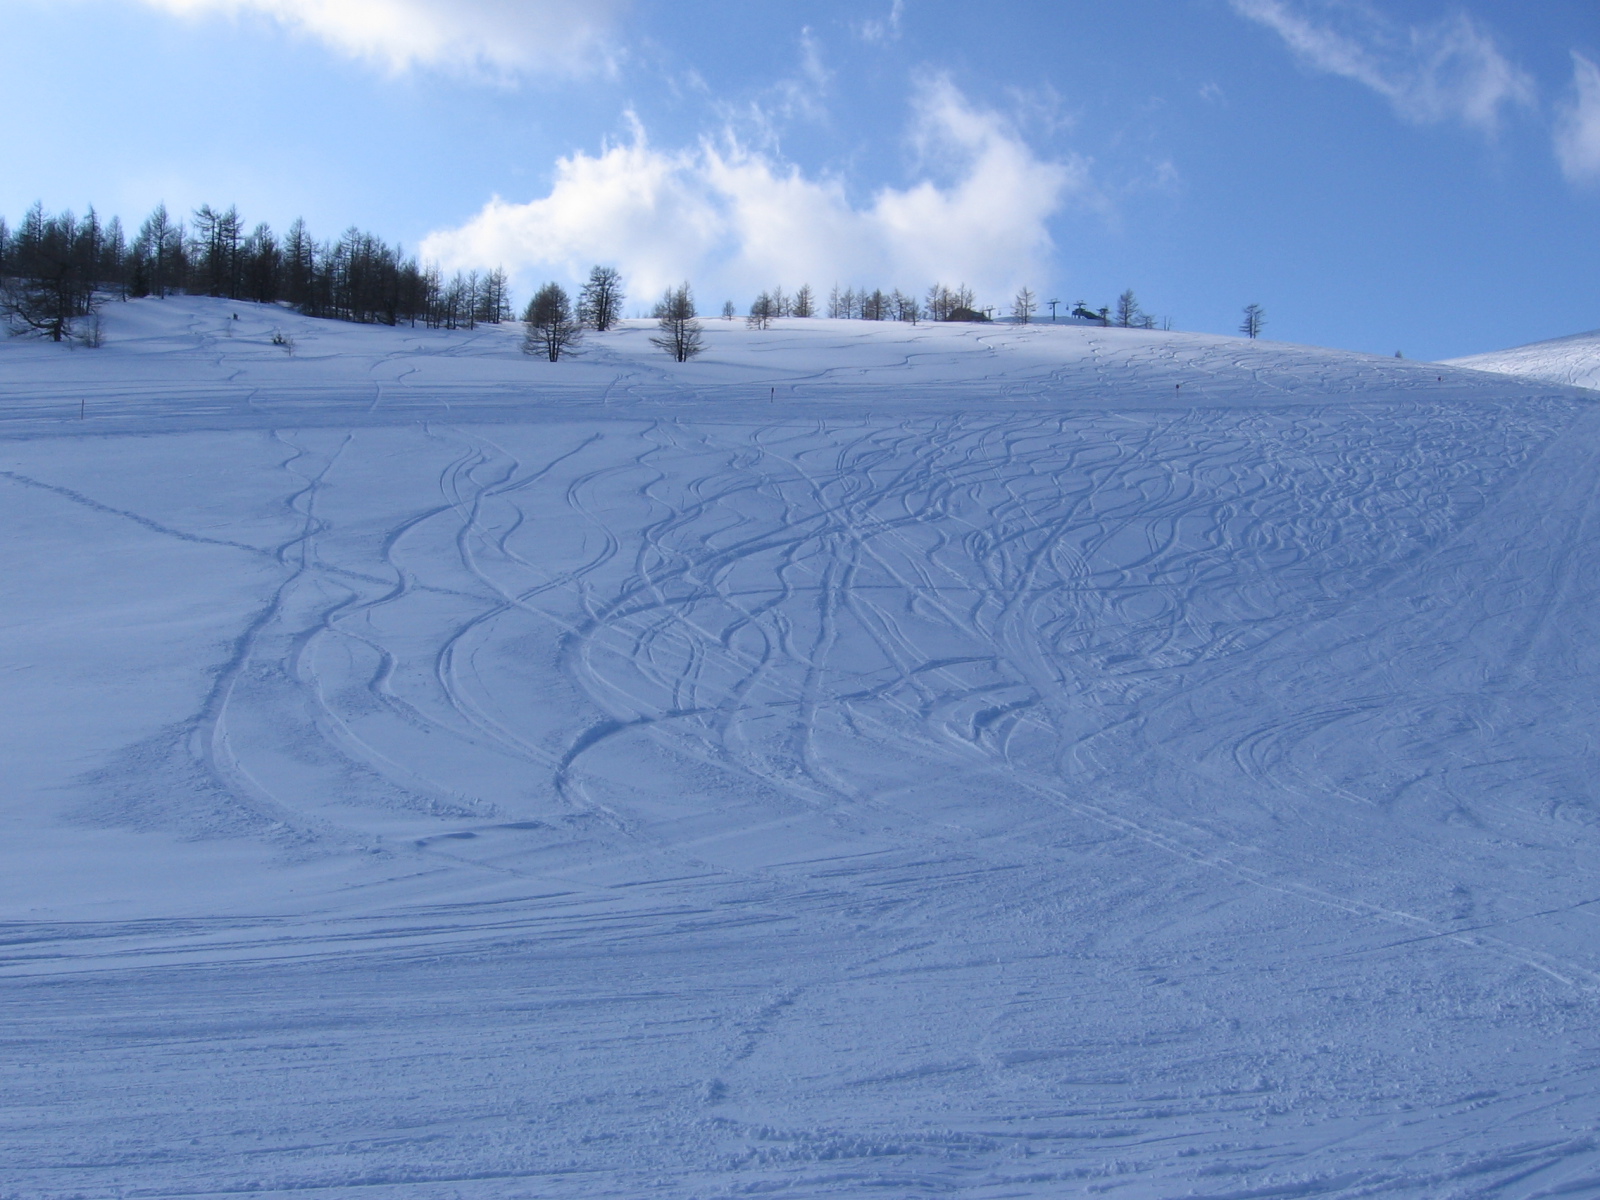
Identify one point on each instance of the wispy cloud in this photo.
(736, 220)
(1447, 71)
(801, 95)
(885, 29)
(1578, 125)
(500, 37)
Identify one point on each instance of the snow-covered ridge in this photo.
(1573, 360)
(867, 759)
(161, 352)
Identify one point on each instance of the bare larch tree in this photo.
(1127, 309)
(680, 334)
(600, 302)
(552, 328)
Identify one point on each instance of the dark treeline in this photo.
(53, 266)
(941, 304)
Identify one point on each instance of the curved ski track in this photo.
(1128, 803)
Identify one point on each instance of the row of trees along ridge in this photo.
(54, 266)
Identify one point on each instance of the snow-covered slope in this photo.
(952, 760)
(1574, 360)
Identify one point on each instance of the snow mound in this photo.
(1573, 360)
(951, 760)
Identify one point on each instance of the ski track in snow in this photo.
(989, 770)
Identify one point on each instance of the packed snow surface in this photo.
(867, 760)
(1574, 360)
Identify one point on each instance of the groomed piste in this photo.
(868, 759)
(1574, 360)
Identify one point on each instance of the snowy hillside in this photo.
(1574, 360)
(868, 759)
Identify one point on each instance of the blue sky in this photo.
(1379, 174)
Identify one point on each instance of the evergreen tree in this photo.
(805, 303)
(1254, 318)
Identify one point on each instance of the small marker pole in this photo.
(773, 399)
(83, 406)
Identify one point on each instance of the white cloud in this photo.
(1447, 71)
(1578, 127)
(734, 220)
(504, 37)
